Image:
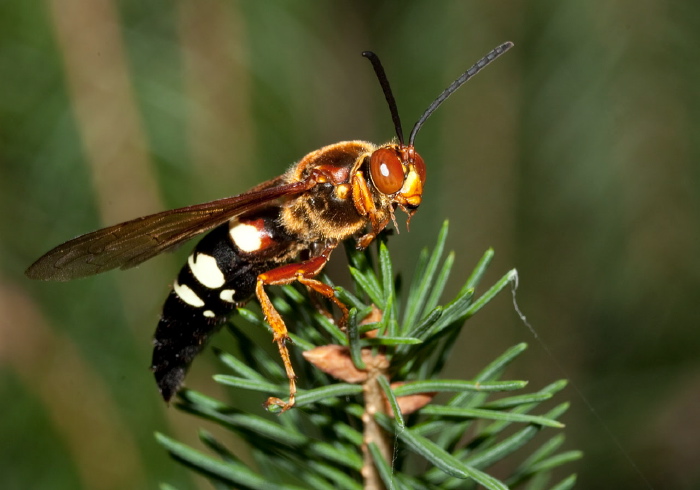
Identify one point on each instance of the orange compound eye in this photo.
(420, 167)
(386, 170)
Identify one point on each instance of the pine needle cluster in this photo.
(378, 414)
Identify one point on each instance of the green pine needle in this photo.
(448, 442)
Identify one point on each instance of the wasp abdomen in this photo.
(213, 281)
(220, 274)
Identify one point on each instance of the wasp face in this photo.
(398, 172)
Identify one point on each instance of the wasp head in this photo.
(398, 172)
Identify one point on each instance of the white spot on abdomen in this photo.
(227, 295)
(187, 295)
(208, 314)
(206, 271)
(246, 237)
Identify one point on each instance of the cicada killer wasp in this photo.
(282, 231)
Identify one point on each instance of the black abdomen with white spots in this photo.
(220, 273)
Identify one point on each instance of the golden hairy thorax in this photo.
(328, 211)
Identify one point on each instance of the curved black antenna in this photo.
(476, 68)
(384, 82)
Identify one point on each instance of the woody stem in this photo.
(373, 433)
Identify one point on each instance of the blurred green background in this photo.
(574, 156)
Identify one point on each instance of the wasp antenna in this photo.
(476, 68)
(384, 82)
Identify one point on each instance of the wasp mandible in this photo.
(280, 232)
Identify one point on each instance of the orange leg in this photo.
(362, 199)
(287, 274)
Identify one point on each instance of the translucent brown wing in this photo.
(128, 244)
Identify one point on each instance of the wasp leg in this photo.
(318, 304)
(326, 291)
(362, 199)
(287, 274)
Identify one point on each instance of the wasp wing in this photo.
(128, 244)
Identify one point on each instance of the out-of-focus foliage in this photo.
(575, 156)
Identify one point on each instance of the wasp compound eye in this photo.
(386, 170)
